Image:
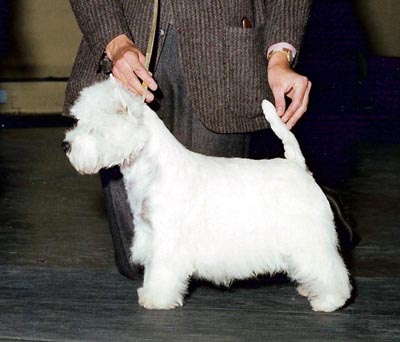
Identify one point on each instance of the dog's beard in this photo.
(85, 166)
(84, 155)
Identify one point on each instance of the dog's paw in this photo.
(327, 303)
(157, 301)
(302, 290)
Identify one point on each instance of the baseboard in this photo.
(35, 97)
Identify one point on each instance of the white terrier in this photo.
(218, 219)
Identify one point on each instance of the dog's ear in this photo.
(122, 107)
(123, 97)
(122, 103)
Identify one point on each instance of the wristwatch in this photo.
(288, 52)
(288, 49)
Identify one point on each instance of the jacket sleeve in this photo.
(287, 20)
(100, 21)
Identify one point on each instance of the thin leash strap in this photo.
(150, 45)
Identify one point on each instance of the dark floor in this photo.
(59, 282)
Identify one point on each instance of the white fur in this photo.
(218, 219)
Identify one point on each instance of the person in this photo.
(214, 62)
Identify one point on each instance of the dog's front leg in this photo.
(164, 285)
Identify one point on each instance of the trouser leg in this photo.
(120, 219)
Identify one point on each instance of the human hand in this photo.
(128, 66)
(286, 82)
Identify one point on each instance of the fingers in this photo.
(283, 82)
(136, 64)
(302, 109)
(132, 82)
(299, 94)
(130, 70)
(280, 103)
(142, 58)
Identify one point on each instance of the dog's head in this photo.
(109, 129)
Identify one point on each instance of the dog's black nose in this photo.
(66, 146)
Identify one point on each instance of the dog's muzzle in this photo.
(66, 146)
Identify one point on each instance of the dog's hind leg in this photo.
(322, 278)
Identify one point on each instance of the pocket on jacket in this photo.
(246, 73)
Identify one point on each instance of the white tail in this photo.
(290, 144)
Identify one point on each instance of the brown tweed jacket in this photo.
(225, 64)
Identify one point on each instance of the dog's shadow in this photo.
(262, 281)
(251, 283)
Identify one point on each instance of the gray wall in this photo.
(44, 40)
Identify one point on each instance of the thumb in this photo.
(280, 104)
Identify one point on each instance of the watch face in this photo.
(288, 54)
(286, 51)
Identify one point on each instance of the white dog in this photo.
(218, 219)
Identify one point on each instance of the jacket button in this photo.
(246, 23)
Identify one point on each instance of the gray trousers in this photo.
(174, 108)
